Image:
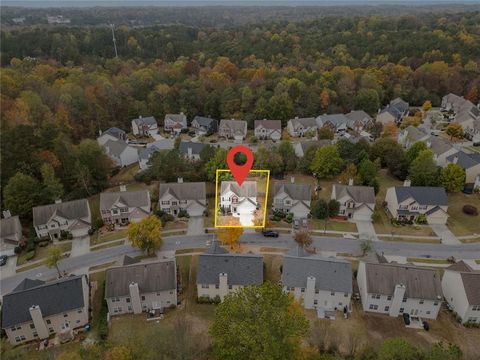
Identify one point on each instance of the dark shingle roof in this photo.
(184, 191)
(420, 283)
(204, 121)
(148, 120)
(242, 269)
(53, 298)
(28, 284)
(196, 147)
(471, 283)
(464, 160)
(139, 198)
(75, 209)
(269, 124)
(295, 191)
(330, 274)
(424, 195)
(150, 277)
(358, 115)
(248, 188)
(116, 148)
(115, 132)
(460, 266)
(360, 194)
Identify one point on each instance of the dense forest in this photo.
(60, 85)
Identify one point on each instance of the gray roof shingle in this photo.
(302, 192)
(330, 274)
(148, 120)
(471, 283)
(185, 191)
(10, 226)
(464, 160)
(269, 124)
(53, 298)
(138, 198)
(75, 209)
(424, 195)
(116, 132)
(360, 194)
(150, 277)
(205, 121)
(248, 188)
(420, 283)
(196, 147)
(242, 269)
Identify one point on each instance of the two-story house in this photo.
(121, 153)
(36, 309)
(441, 149)
(461, 289)
(204, 125)
(141, 287)
(395, 111)
(322, 283)
(408, 202)
(268, 129)
(292, 198)
(10, 233)
(71, 216)
(240, 201)
(233, 129)
(121, 208)
(356, 202)
(452, 102)
(337, 123)
(300, 127)
(358, 120)
(220, 272)
(191, 150)
(396, 289)
(175, 123)
(145, 154)
(189, 197)
(113, 134)
(144, 126)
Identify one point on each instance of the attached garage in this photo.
(363, 213)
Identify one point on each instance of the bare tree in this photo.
(303, 238)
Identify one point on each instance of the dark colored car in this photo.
(426, 326)
(268, 233)
(406, 319)
(3, 260)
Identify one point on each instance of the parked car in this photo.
(269, 233)
(3, 260)
(406, 319)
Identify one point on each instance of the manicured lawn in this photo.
(333, 225)
(108, 245)
(126, 175)
(96, 239)
(460, 223)
(384, 226)
(42, 252)
(176, 225)
(477, 261)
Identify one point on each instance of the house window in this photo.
(302, 290)
(49, 321)
(216, 286)
(79, 311)
(127, 300)
(50, 330)
(476, 308)
(183, 202)
(389, 297)
(315, 302)
(373, 307)
(204, 286)
(230, 287)
(345, 295)
(174, 203)
(65, 315)
(32, 326)
(317, 291)
(332, 293)
(404, 299)
(165, 202)
(143, 298)
(421, 302)
(428, 312)
(435, 303)
(387, 308)
(401, 310)
(129, 308)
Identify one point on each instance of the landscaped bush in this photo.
(470, 210)
(279, 213)
(17, 250)
(30, 255)
(289, 218)
(183, 213)
(422, 219)
(207, 300)
(30, 245)
(102, 318)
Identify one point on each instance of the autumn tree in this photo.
(258, 322)
(146, 234)
(55, 254)
(454, 130)
(327, 162)
(325, 133)
(452, 177)
(303, 238)
(427, 105)
(230, 235)
(349, 173)
(390, 130)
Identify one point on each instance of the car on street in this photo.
(269, 233)
(3, 260)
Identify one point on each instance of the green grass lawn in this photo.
(458, 222)
(109, 245)
(333, 225)
(126, 175)
(42, 252)
(176, 225)
(96, 239)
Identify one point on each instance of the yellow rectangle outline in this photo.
(265, 206)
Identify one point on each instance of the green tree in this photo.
(325, 133)
(289, 159)
(52, 188)
(397, 349)
(454, 130)
(368, 100)
(268, 159)
(258, 322)
(324, 210)
(452, 177)
(442, 352)
(21, 194)
(327, 162)
(219, 161)
(146, 234)
(423, 171)
(413, 151)
(55, 254)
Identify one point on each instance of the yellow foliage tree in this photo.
(146, 234)
(390, 130)
(230, 236)
(427, 105)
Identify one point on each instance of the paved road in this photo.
(80, 246)
(464, 251)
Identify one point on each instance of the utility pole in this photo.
(114, 40)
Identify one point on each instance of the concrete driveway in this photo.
(195, 225)
(445, 234)
(366, 231)
(9, 268)
(80, 246)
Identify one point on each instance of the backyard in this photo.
(459, 222)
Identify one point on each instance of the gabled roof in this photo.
(358, 115)
(424, 195)
(269, 124)
(10, 226)
(196, 147)
(330, 274)
(53, 298)
(145, 153)
(238, 126)
(399, 104)
(128, 260)
(464, 160)
(150, 277)
(71, 210)
(414, 133)
(149, 120)
(248, 188)
(115, 132)
(438, 145)
(138, 198)
(335, 119)
(460, 266)
(420, 282)
(302, 192)
(184, 191)
(28, 284)
(116, 147)
(360, 194)
(178, 118)
(204, 121)
(305, 122)
(471, 283)
(241, 269)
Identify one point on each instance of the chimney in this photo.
(38, 322)
(58, 201)
(123, 188)
(350, 182)
(429, 144)
(134, 292)
(181, 113)
(292, 179)
(180, 180)
(455, 159)
(6, 214)
(407, 183)
(99, 132)
(189, 152)
(223, 285)
(296, 117)
(140, 117)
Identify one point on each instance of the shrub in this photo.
(43, 243)
(470, 210)
(183, 213)
(289, 218)
(422, 219)
(207, 300)
(253, 139)
(17, 250)
(30, 255)
(184, 131)
(98, 223)
(91, 231)
(31, 245)
(276, 218)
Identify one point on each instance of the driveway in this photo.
(445, 234)
(366, 231)
(80, 246)
(9, 268)
(195, 225)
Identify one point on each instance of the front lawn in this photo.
(333, 225)
(97, 238)
(383, 225)
(42, 252)
(458, 222)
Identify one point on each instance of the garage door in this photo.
(362, 217)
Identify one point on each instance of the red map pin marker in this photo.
(240, 172)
